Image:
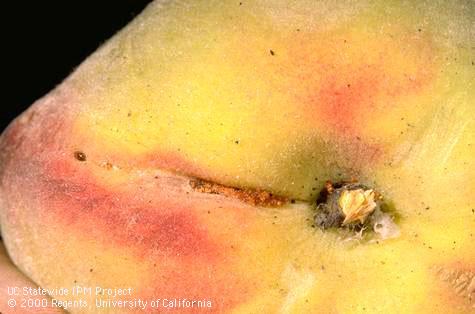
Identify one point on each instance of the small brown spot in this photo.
(329, 187)
(250, 196)
(107, 165)
(272, 52)
(80, 156)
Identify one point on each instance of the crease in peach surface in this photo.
(384, 93)
(162, 233)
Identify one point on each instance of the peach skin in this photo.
(11, 281)
(255, 157)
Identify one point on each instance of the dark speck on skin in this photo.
(80, 156)
(237, 142)
(272, 52)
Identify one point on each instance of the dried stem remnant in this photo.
(357, 204)
(250, 196)
(346, 203)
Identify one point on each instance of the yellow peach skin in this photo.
(277, 96)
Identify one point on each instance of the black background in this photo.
(43, 41)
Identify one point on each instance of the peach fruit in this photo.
(185, 157)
